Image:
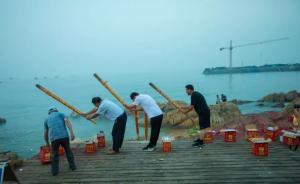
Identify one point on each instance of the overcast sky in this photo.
(54, 37)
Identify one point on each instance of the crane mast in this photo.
(231, 47)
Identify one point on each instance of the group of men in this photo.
(57, 123)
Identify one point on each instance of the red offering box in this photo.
(229, 135)
(101, 141)
(167, 147)
(251, 133)
(260, 146)
(90, 147)
(45, 154)
(271, 134)
(291, 141)
(260, 149)
(209, 137)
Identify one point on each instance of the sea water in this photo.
(25, 107)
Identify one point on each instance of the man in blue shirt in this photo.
(113, 112)
(56, 125)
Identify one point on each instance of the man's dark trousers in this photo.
(65, 143)
(155, 129)
(118, 132)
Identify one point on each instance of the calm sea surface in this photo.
(25, 107)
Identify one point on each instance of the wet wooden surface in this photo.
(217, 163)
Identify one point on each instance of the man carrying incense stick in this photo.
(154, 113)
(198, 103)
(56, 124)
(114, 113)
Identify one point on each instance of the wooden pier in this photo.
(217, 163)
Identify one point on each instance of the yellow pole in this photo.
(146, 125)
(136, 118)
(110, 90)
(47, 92)
(168, 99)
(120, 100)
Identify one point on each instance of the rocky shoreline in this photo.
(12, 158)
(228, 115)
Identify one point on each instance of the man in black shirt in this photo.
(198, 103)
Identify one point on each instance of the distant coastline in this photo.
(253, 69)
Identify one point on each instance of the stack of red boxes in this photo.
(90, 147)
(209, 137)
(166, 144)
(45, 153)
(101, 140)
(260, 146)
(229, 135)
(251, 133)
(271, 133)
(290, 138)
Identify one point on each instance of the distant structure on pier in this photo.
(253, 69)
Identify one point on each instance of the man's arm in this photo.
(46, 137)
(94, 110)
(92, 116)
(188, 108)
(69, 125)
(131, 107)
(46, 133)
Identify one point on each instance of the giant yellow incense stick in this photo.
(120, 100)
(110, 90)
(49, 93)
(146, 125)
(169, 99)
(136, 119)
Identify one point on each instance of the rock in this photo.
(220, 115)
(289, 108)
(260, 104)
(281, 97)
(13, 159)
(278, 105)
(2, 120)
(240, 102)
(167, 107)
(292, 95)
(223, 114)
(188, 123)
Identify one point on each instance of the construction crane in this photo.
(231, 47)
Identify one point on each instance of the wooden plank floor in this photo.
(217, 163)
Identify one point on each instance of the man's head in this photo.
(52, 109)
(189, 89)
(96, 101)
(133, 95)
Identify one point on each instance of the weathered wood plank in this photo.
(216, 163)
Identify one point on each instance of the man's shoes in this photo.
(198, 144)
(112, 152)
(73, 168)
(149, 148)
(197, 140)
(54, 174)
(145, 148)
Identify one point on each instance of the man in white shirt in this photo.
(113, 112)
(154, 113)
